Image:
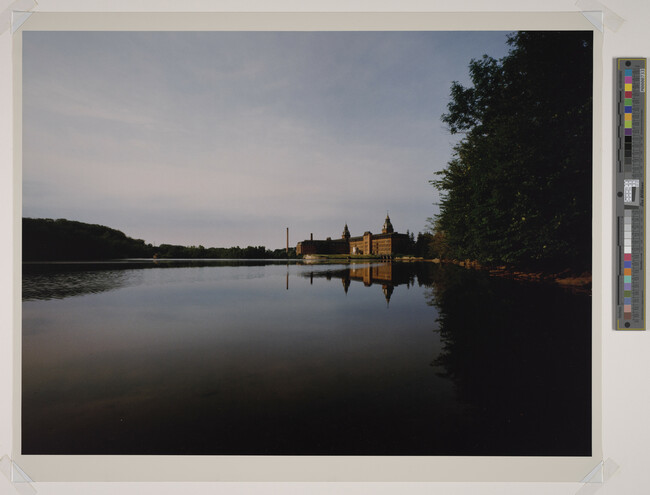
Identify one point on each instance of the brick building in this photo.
(388, 243)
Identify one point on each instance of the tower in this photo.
(388, 291)
(388, 227)
(346, 233)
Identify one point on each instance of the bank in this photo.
(580, 282)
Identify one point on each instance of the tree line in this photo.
(45, 239)
(517, 191)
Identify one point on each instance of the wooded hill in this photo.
(45, 239)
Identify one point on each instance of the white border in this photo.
(343, 468)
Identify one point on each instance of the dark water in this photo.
(275, 358)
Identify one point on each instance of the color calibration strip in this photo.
(627, 266)
(630, 180)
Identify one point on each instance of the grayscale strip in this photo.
(630, 204)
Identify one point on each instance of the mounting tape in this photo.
(16, 14)
(599, 15)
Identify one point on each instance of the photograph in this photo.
(307, 243)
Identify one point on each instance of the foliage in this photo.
(45, 239)
(518, 189)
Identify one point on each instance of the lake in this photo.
(291, 358)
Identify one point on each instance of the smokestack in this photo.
(311, 237)
(287, 240)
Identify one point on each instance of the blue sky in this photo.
(223, 139)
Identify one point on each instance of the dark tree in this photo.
(518, 189)
(46, 240)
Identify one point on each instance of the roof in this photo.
(379, 236)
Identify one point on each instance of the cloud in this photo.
(227, 138)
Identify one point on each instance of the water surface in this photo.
(275, 358)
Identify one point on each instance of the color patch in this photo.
(628, 115)
(631, 87)
(627, 257)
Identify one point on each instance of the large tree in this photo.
(518, 189)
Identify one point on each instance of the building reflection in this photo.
(382, 274)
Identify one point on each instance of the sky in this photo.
(229, 138)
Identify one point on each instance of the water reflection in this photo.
(387, 275)
(518, 354)
(223, 359)
(72, 283)
(58, 280)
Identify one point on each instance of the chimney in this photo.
(311, 237)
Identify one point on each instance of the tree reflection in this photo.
(59, 280)
(44, 286)
(519, 354)
(510, 370)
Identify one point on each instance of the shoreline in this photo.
(577, 282)
(567, 279)
(570, 280)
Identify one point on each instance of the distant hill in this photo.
(45, 239)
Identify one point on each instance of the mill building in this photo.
(388, 243)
